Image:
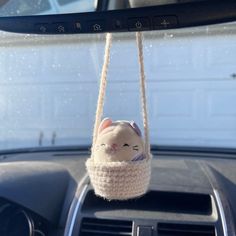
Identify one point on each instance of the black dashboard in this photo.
(189, 195)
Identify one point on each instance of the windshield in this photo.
(49, 87)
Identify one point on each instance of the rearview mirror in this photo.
(96, 16)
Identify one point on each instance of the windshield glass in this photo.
(49, 86)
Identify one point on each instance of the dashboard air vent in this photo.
(154, 201)
(168, 229)
(104, 227)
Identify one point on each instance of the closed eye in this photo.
(103, 144)
(135, 148)
(126, 145)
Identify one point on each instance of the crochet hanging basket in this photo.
(119, 180)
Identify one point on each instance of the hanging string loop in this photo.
(103, 85)
(139, 39)
(102, 88)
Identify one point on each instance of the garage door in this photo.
(48, 87)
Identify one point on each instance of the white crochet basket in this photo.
(119, 180)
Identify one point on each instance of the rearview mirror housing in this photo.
(161, 17)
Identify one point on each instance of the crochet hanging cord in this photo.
(120, 164)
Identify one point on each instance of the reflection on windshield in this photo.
(49, 87)
(44, 7)
(147, 3)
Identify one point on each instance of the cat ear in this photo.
(106, 122)
(135, 128)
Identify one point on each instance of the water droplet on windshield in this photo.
(168, 35)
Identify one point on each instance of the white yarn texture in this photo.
(121, 180)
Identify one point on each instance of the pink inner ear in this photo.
(104, 124)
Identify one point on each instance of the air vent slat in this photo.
(109, 225)
(195, 231)
(168, 229)
(102, 232)
(99, 227)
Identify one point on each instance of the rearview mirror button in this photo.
(96, 26)
(165, 22)
(137, 24)
(60, 28)
(42, 28)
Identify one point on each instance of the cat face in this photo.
(118, 141)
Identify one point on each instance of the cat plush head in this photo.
(118, 141)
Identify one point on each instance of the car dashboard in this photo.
(189, 195)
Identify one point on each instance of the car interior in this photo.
(51, 59)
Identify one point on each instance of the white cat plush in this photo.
(118, 141)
